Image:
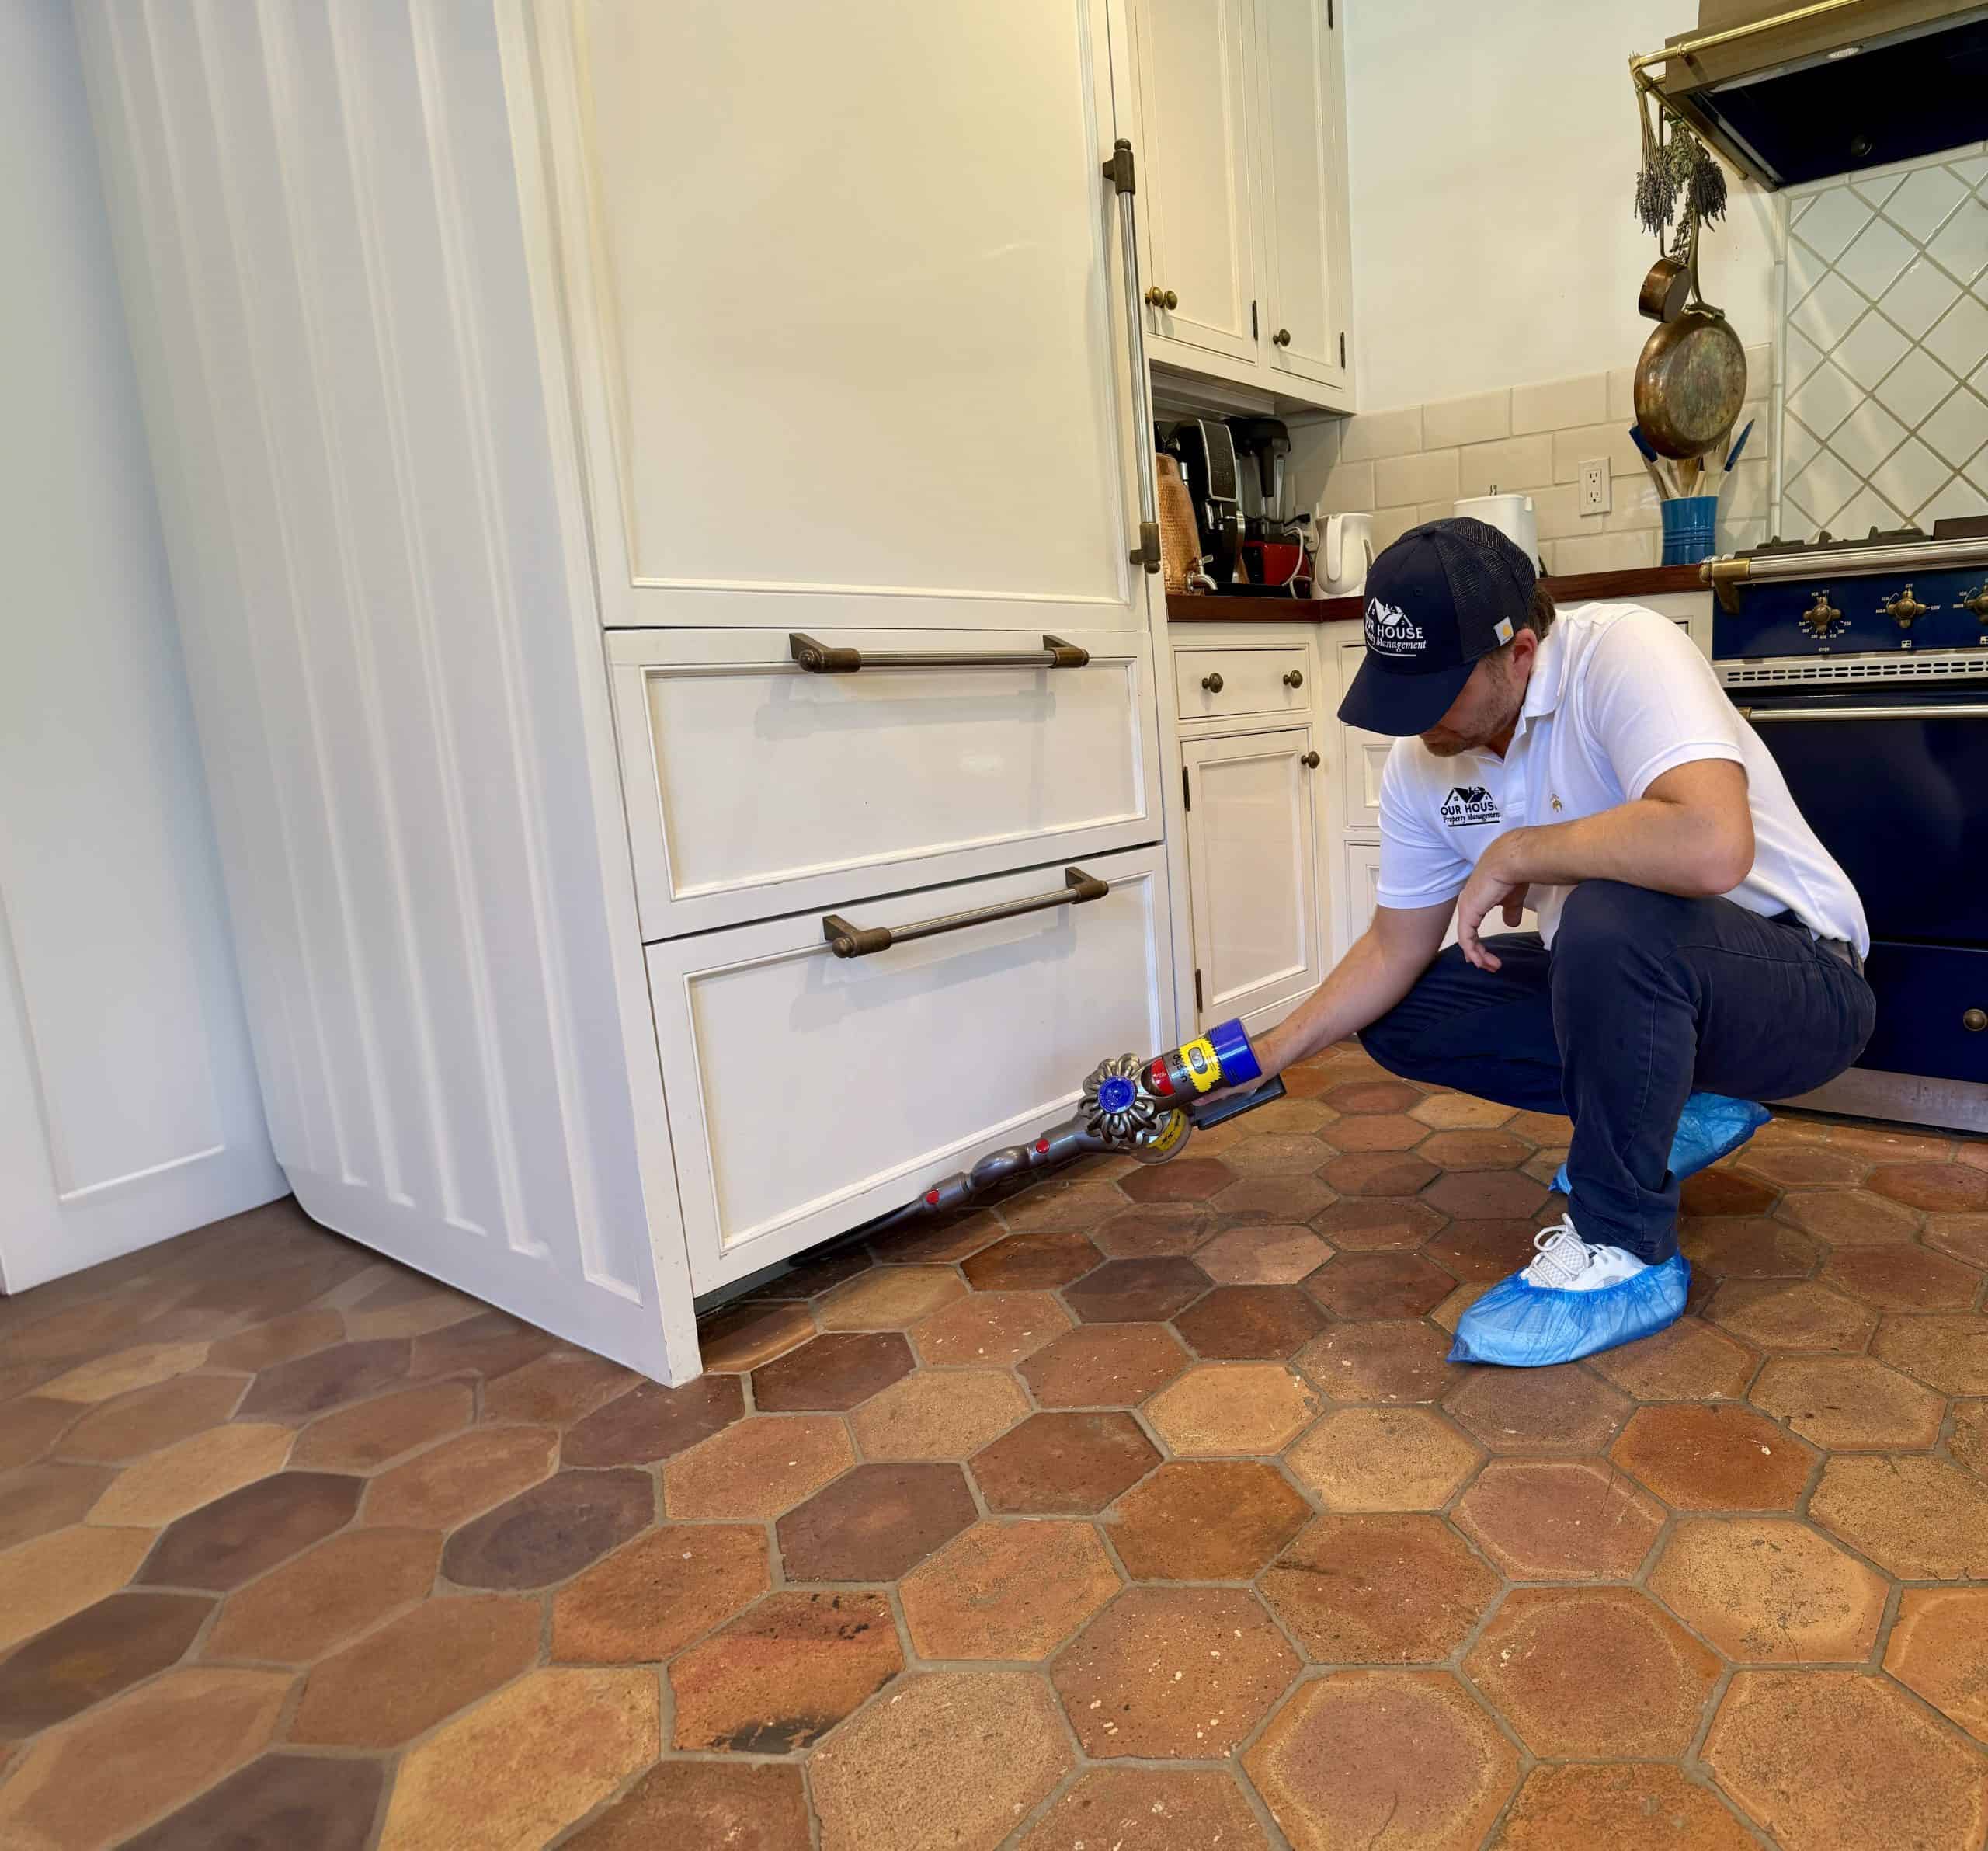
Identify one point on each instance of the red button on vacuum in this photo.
(1042, 1145)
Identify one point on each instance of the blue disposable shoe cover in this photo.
(1525, 1326)
(1710, 1127)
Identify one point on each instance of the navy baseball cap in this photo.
(1445, 593)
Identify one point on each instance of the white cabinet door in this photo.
(1193, 58)
(808, 1093)
(1252, 870)
(1363, 756)
(851, 330)
(1360, 875)
(1302, 135)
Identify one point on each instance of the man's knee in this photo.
(1604, 920)
(1397, 1039)
(1386, 1040)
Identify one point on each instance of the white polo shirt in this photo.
(1619, 695)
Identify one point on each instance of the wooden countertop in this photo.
(1212, 607)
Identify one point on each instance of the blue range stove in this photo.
(1863, 665)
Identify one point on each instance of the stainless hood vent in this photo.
(1790, 95)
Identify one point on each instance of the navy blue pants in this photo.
(1645, 998)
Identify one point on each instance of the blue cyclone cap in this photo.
(1116, 1094)
(1233, 1055)
(1444, 595)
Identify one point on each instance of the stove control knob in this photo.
(1977, 602)
(1823, 620)
(1904, 609)
(1974, 1020)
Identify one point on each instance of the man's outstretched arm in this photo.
(1374, 975)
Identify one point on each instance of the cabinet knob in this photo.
(1162, 298)
(1974, 1020)
(1282, 337)
(1294, 678)
(1310, 761)
(1212, 683)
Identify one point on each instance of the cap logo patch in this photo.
(1504, 630)
(1391, 632)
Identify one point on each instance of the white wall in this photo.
(1493, 152)
(128, 1107)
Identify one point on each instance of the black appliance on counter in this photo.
(1247, 554)
(1863, 665)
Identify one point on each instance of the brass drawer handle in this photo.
(1162, 298)
(1294, 678)
(846, 939)
(1212, 683)
(1310, 761)
(1974, 1020)
(1282, 337)
(822, 659)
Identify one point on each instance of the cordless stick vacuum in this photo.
(1148, 1109)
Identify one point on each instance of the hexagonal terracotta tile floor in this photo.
(973, 1531)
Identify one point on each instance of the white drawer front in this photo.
(807, 1093)
(1251, 681)
(754, 788)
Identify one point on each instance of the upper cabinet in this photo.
(1201, 264)
(1300, 124)
(1239, 113)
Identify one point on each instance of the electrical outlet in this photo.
(1595, 485)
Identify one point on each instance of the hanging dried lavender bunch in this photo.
(1657, 179)
(1703, 179)
(1677, 168)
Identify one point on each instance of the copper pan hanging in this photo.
(1691, 378)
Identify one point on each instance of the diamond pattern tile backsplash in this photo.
(1885, 412)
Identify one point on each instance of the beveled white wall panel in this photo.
(128, 1107)
(330, 228)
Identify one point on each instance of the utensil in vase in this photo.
(1648, 456)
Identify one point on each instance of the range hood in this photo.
(1795, 93)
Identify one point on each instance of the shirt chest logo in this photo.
(1468, 804)
(1392, 631)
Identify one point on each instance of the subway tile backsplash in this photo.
(1408, 465)
(1560, 403)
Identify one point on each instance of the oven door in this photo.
(1895, 782)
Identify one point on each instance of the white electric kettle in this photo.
(1345, 550)
(1512, 515)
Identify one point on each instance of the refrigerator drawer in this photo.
(808, 1093)
(754, 786)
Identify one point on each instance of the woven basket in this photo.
(1180, 540)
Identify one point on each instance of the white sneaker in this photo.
(1567, 1263)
